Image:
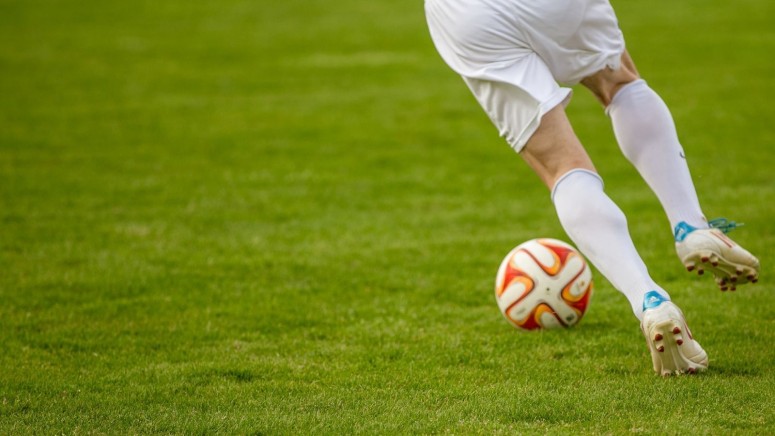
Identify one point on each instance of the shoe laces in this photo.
(724, 224)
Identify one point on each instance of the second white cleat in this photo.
(712, 250)
(673, 349)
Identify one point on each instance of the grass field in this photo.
(286, 217)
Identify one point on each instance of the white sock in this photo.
(599, 229)
(647, 136)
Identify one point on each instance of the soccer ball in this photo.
(543, 284)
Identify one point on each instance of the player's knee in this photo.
(607, 82)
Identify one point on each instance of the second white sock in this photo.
(599, 229)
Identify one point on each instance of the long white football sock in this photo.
(599, 229)
(647, 136)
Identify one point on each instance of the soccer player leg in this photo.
(590, 218)
(599, 229)
(646, 133)
(647, 136)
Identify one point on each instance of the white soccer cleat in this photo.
(711, 250)
(673, 349)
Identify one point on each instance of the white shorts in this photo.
(513, 53)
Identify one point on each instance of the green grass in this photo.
(286, 218)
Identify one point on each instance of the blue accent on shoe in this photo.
(653, 299)
(682, 230)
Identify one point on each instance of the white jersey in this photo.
(513, 53)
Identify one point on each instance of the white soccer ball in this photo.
(543, 284)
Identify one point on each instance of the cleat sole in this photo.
(710, 250)
(725, 271)
(673, 350)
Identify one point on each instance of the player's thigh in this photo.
(516, 103)
(529, 112)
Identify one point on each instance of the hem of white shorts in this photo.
(612, 61)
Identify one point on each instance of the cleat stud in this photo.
(704, 259)
(658, 337)
(690, 268)
(733, 279)
(754, 280)
(724, 288)
(739, 271)
(700, 272)
(714, 263)
(676, 330)
(733, 288)
(661, 349)
(679, 342)
(691, 370)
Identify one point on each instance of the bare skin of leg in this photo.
(606, 83)
(554, 149)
